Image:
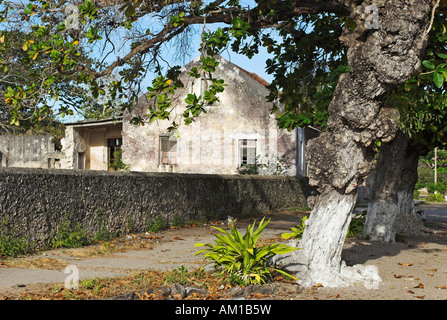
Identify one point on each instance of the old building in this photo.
(90, 144)
(238, 130)
(29, 151)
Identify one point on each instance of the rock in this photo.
(235, 292)
(255, 289)
(191, 290)
(178, 289)
(127, 296)
(288, 288)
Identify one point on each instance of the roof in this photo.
(91, 122)
(255, 77)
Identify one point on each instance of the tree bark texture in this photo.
(391, 209)
(342, 157)
(409, 220)
(384, 203)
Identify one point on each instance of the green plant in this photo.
(69, 236)
(116, 162)
(159, 224)
(436, 187)
(400, 238)
(12, 245)
(102, 234)
(297, 232)
(249, 169)
(178, 221)
(416, 194)
(177, 275)
(236, 279)
(89, 283)
(356, 225)
(435, 197)
(239, 255)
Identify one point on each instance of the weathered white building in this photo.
(236, 131)
(29, 151)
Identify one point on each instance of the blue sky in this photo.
(255, 64)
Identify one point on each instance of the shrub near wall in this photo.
(37, 201)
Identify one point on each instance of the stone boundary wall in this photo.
(37, 200)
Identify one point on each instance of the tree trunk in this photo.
(384, 203)
(319, 261)
(342, 157)
(409, 220)
(391, 208)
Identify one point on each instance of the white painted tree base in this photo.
(332, 277)
(380, 221)
(319, 260)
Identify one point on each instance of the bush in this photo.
(10, 244)
(70, 236)
(116, 163)
(436, 187)
(416, 194)
(435, 197)
(159, 224)
(240, 257)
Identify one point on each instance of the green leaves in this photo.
(439, 71)
(297, 232)
(428, 65)
(241, 256)
(239, 28)
(177, 20)
(438, 78)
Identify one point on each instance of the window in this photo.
(247, 151)
(168, 150)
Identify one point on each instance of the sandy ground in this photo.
(415, 269)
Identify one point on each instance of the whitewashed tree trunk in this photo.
(384, 202)
(409, 220)
(391, 208)
(342, 157)
(319, 261)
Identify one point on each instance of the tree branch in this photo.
(223, 15)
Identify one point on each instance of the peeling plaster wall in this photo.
(210, 145)
(27, 151)
(37, 200)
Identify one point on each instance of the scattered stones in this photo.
(192, 290)
(266, 290)
(178, 289)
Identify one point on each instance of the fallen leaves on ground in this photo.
(419, 286)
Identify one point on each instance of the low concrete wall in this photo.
(37, 200)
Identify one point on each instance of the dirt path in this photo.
(414, 269)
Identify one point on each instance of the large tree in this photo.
(422, 106)
(384, 42)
